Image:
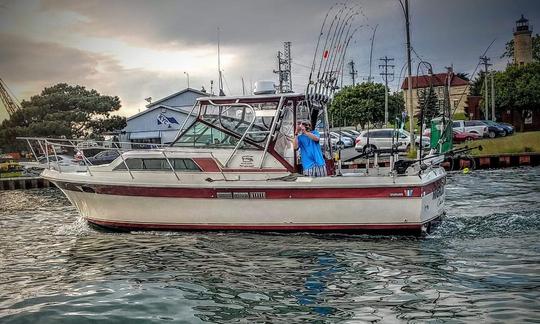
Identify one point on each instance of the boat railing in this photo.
(50, 145)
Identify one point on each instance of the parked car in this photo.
(347, 141)
(347, 134)
(381, 139)
(508, 129)
(471, 126)
(103, 157)
(460, 137)
(333, 141)
(494, 130)
(59, 162)
(457, 136)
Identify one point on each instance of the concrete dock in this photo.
(24, 183)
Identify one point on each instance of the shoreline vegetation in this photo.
(528, 142)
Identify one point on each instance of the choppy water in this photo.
(481, 265)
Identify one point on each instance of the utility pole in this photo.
(484, 59)
(370, 78)
(492, 96)
(284, 69)
(386, 75)
(353, 72)
(409, 77)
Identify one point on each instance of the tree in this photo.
(463, 75)
(518, 88)
(363, 103)
(62, 111)
(509, 50)
(429, 103)
(477, 85)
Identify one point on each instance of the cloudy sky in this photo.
(141, 48)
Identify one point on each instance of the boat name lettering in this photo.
(247, 161)
(241, 195)
(396, 194)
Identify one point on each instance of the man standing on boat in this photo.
(307, 141)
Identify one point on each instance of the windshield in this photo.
(238, 118)
(202, 135)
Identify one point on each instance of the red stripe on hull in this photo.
(278, 193)
(261, 228)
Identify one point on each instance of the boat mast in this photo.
(220, 81)
(409, 75)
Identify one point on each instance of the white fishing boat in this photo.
(234, 168)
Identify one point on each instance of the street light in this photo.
(187, 75)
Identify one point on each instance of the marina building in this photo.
(160, 121)
(458, 90)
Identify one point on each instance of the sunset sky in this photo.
(137, 49)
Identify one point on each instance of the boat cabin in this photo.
(256, 132)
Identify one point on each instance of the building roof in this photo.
(177, 109)
(438, 80)
(205, 94)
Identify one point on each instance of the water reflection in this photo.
(480, 265)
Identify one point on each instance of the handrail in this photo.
(247, 129)
(185, 121)
(272, 129)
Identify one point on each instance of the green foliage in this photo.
(460, 116)
(509, 50)
(429, 103)
(477, 85)
(364, 102)
(518, 87)
(62, 111)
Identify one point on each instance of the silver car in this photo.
(381, 139)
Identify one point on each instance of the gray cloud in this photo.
(443, 32)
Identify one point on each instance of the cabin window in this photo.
(153, 164)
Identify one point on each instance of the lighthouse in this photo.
(522, 42)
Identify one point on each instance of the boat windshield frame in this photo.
(251, 117)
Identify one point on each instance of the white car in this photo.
(381, 139)
(471, 126)
(61, 162)
(347, 141)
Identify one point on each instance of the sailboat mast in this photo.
(409, 77)
(220, 80)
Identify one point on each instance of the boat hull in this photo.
(407, 210)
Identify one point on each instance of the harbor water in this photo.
(482, 264)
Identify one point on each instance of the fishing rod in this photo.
(349, 15)
(341, 48)
(342, 63)
(328, 52)
(328, 79)
(312, 86)
(318, 42)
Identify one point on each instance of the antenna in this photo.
(220, 80)
(370, 78)
(284, 68)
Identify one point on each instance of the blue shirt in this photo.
(310, 151)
